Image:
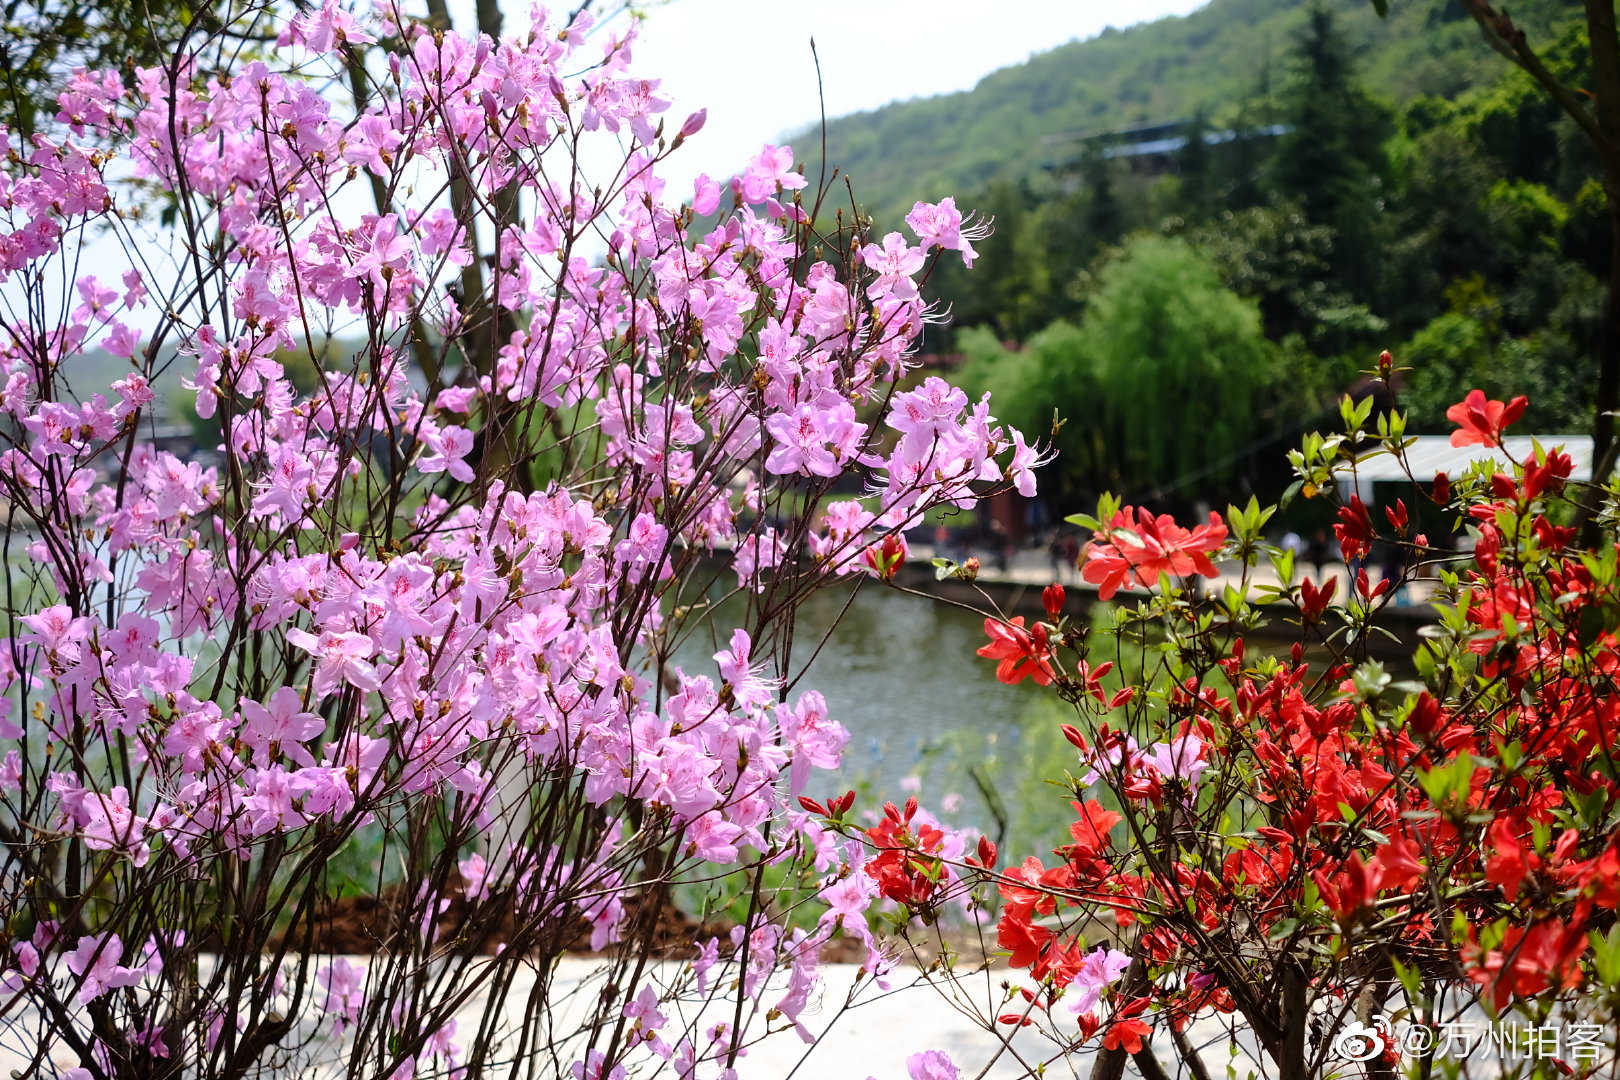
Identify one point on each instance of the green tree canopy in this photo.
(42, 41)
(1167, 376)
(1331, 157)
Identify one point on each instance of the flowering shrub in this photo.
(428, 612)
(1332, 859)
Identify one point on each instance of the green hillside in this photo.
(1015, 121)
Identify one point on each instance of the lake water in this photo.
(901, 673)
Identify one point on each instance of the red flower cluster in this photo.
(1136, 545)
(1021, 652)
(905, 868)
(1465, 822)
(1528, 961)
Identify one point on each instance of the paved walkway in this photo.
(857, 1030)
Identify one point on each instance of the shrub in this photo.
(1333, 857)
(420, 618)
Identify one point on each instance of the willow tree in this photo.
(1161, 386)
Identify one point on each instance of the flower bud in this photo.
(694, 123)
(1442, 489)
(1052, 599)
(1425, 717)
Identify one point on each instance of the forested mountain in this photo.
(1014, 123)
(1189, 297)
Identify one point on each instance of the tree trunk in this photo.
(1605, 45)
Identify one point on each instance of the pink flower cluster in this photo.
(450, 579)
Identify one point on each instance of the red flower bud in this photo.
(813, 806)
(1366, 588)
(1425, 718)
(1313, 600)
(1397, 515)
(1442, 489)
(1072, 733)
(1052, 598)
(886, 558)
(987, 853)
(1354, 530)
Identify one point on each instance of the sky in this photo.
(749, 62)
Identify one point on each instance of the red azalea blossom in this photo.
(1483, 421)
(1540, 476)
(1021, 652)
(905, 868)
(1137, 544)
(1397, 865)
(1528, 961)
(1127, 1029)
(1349, 893)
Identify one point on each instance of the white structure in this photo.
(1430, 454)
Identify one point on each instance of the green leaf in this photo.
(1410, 979)
(1606, 955)
(1370, 679)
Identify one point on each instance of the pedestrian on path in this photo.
(1316, 553)
(1294, 544)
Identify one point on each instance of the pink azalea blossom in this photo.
(339, 656)
(95, 961)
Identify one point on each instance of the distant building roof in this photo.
(1170, 144)
(1430, 454)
